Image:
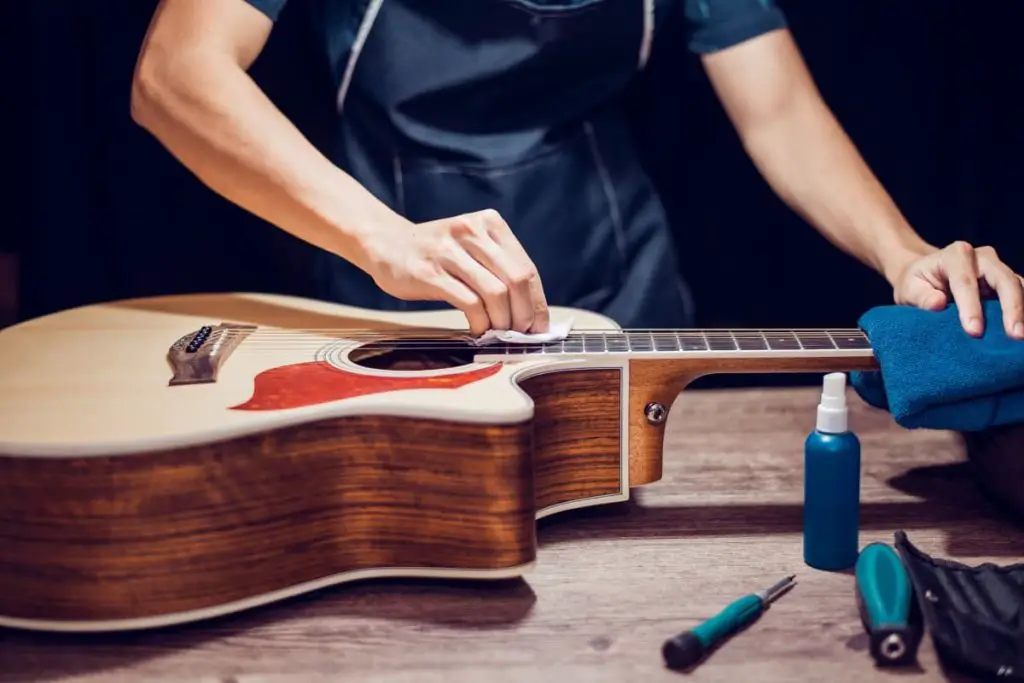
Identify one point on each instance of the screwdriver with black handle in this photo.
(885, 603)
(688, 648)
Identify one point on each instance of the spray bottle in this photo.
(832, 483)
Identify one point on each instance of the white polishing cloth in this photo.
(556, 332)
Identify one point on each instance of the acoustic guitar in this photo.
(171, 459)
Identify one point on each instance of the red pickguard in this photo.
(307, 384)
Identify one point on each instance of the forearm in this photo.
(813, 166)
(215, 120)
(804, 154)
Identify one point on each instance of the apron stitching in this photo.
(648, 37)
(357, 48)
(609, 191)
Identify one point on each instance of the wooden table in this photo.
(610, 585)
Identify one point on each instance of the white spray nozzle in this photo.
(832, 413)
(833, 390)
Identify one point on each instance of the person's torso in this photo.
(451, 107)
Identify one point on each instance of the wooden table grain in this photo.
(610, 584)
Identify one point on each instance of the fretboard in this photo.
(672, 342)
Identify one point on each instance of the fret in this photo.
(594, 343)
(640, 341)
(692, 341)
(529, 349)
(573, 344)
(721, 341)
(553, 348)
(665, 341)
(815, 340)
(781, 340)
(616, 342)
(848, 340)
(751, 341)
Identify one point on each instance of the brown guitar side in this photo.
(577, 436)
(156, 535)
(166, 533)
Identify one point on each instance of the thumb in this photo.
(921, 294)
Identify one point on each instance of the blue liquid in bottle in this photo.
(832, 483)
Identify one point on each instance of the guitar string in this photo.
(608, 341)
(421, 339)
(525, 349)
(574, 338)
(448, 334)
(413, 330)
(554, 353)
(743, 346)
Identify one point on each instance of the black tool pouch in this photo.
(974, 614)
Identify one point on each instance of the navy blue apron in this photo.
(456, 106)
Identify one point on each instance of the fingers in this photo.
(487, 239)
(920, 293)
(973, 273)
(483, 283)
(958, 261)
(459, 295)
(514, 271)
(541, 315)
(473, 262)
(1008, 287)
(534, 297)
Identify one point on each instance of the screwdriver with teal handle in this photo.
(884, 600)
(688, 648)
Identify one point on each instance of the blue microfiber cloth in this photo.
(933, 375)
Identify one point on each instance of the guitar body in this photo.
(130, 502)
(172, 459)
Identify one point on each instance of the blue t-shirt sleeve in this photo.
(272, 8)
(717, 24)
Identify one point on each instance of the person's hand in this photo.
(963, 274)
(472, 262)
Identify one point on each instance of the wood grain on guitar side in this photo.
(661, 381)
(577, 434)
(170, 532)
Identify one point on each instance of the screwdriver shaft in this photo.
(772, 592)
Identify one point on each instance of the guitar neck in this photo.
(710, 344)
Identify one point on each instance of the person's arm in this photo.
(191, 90)
(801, 150)
(805, 155)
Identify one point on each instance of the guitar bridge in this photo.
(197, 357)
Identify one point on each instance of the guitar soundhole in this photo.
(405, 355)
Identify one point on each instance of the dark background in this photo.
(927, 90)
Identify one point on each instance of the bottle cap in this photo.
(832, 411)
